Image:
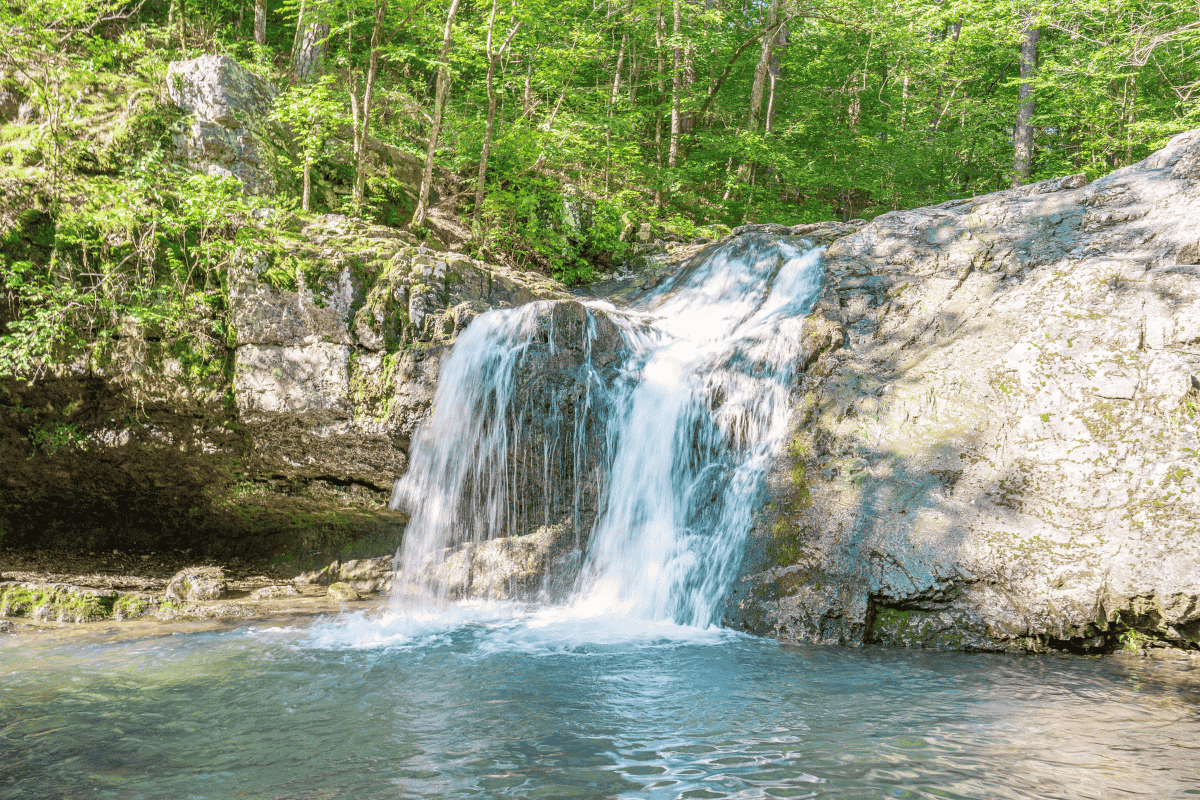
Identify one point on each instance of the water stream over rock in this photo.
(627, 446)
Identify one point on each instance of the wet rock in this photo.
(54, 602)
(343, 592)
(997, 451)
(195, 584)
(132, 605)
(364, 574)
(509, 568)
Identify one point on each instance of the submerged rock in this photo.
(272, 592)
(998, 447)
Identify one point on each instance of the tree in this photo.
(308, 111)
(361, 112)
(493, 57)
(1023, 131)
(260, 22)
(312, 33)
(439, 106)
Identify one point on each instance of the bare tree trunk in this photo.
(770, 102)
(527, 98)
(939, 108)
(676, 84)
(439, 106)
(362, 117)
(612, 104)
(658, 115)
(175, 13)
(307, 182)
(260, 22)
(1023, 132)
(761, 70)
(1130, 117)
(493, 60)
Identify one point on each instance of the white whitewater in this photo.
(698, 411)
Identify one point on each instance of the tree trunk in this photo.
(439, 106)
(762, 68)
(676, 84)
(939, 108)
(1023, 132)
(260, 22)
(658, 114)
(527, 97)
(175, 14)
(612, 105)
(493, 60)
(311, 32)
(363, 118)
(307, 182)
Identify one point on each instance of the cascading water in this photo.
(670, 447)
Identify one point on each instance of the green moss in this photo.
(914, 628)
(128, 606)
(54, 604)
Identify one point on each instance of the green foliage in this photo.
(868, 107)
(51, 437)
(1133, 640)
(146, 255)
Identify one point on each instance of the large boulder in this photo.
(224, 101)
(997, 447)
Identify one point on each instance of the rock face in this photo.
(224, 101)
(998, 447)
(339, 338)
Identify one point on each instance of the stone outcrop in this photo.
(224, 102)
(996, 444)
(339, 338)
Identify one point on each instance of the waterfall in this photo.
(662, 420)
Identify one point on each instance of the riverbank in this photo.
(60, 591)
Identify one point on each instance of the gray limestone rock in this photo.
(292, 378)
(343, 592)
(339, 342)
(196, 583)
(273, 592)
(225, 102)
(1000, 452)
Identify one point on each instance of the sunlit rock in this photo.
(1003, 453)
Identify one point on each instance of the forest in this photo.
(686, 112)
(677, 119)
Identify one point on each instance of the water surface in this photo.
(515, 702)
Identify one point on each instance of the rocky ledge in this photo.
(997, 446)
(53, 591)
